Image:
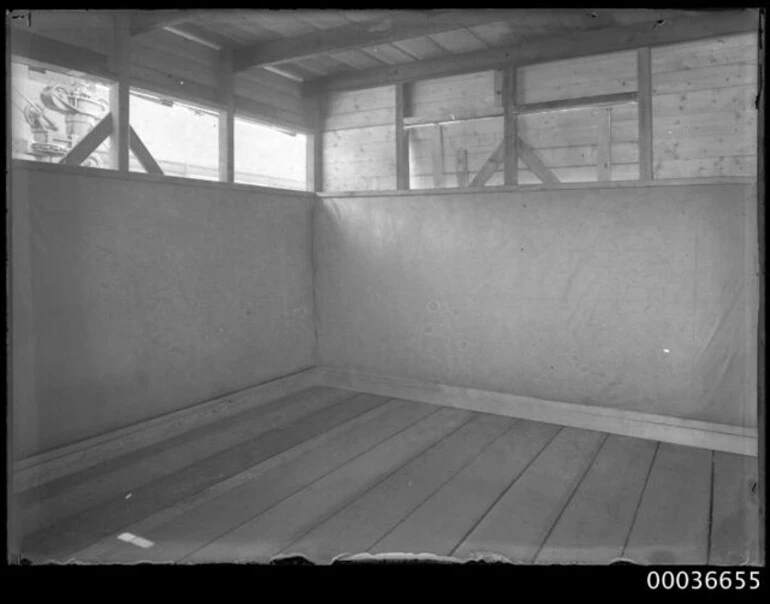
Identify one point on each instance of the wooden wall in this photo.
(359, 151)
(704, 120)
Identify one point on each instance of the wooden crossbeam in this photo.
(534, 163)
(149, 20)
(600, 100)
(392, 27)
(552, 48)
(526, 153)
(489, 167)
(142, 153)
(89, 143)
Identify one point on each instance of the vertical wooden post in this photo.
(402, 138)
(120, 92)
(314, 112)
(226, 117)
(437, 155)
(510, 135)
(644, 79)
(604, 145)
(462, 168)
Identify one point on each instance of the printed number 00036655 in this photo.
(709, 580)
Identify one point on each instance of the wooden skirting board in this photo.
(694, 433)
(45, 467)
(51, 465)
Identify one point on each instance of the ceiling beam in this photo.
(149, 20)
(395, 26)
(553, 48)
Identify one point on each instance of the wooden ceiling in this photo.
(307, 45)
(336, 49)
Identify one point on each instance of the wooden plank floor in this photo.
(329, 472)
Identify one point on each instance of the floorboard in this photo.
(77, 531)
(175, 536)
(672, 522)
(49, 503)
(594, 526)
(735, 511)
(517, 525)
(362, 523)
(265, 536)
(439, 524)
(328, 472)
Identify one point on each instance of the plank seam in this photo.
(377, 483)
(241, 479)
(279, 502)
(570, 497)
(505, 492)
(442, 485)
(639, 503)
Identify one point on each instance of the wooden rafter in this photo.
(391, 27)
(149, 20)
(551, 48)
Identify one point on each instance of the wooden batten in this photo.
(402, 137)
(510, 135)
(462, 168)
(120, 98)
(226, 118)
(437, 156)
(644, 77)
(315, 117)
